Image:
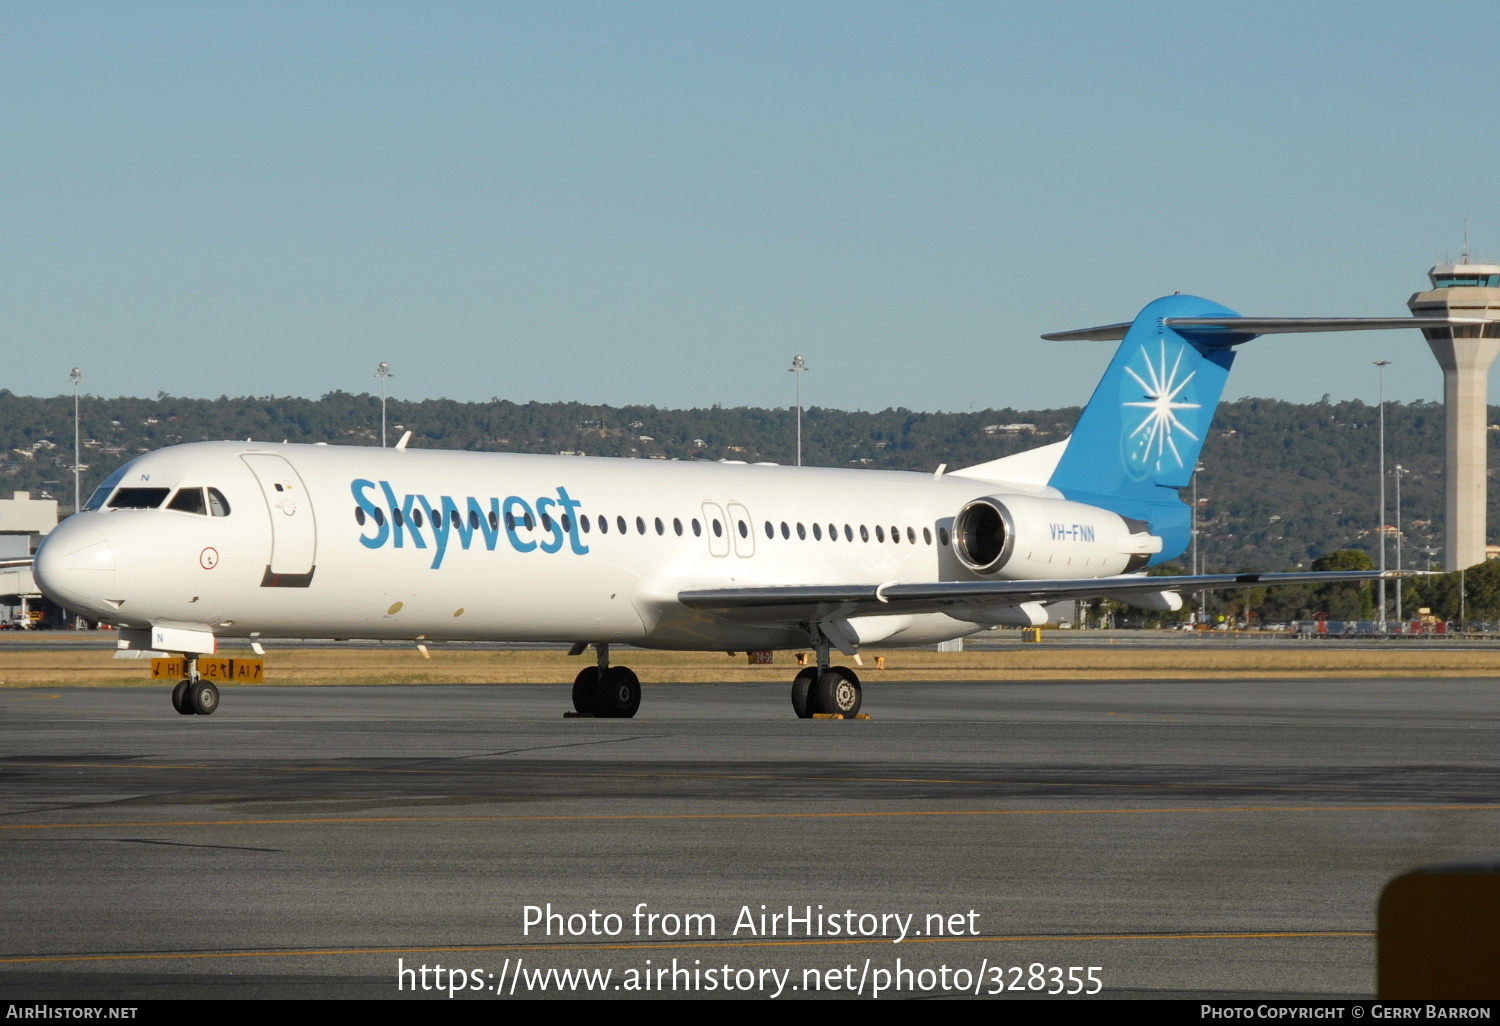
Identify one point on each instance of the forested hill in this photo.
(1282, 483)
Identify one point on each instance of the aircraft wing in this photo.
(797, 603)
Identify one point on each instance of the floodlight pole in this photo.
(1399, 472)
(1197, 559)
(1382, 364)
(383, 372)
(76, 376)
(798, 366)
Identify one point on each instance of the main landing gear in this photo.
(824, 688)
(605, 691)
(194, 696)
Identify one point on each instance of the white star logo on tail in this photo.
(1155, 437)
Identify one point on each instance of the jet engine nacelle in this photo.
(1022, 537)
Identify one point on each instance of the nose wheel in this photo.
(195, 696)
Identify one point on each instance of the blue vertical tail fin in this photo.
(1139, 437)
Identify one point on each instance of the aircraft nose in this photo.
(75, 567)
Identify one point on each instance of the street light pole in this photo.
(1399, 472)
(1382, 364)
(1197, 559)
(75, 376)
(798, 366)
(383, 372)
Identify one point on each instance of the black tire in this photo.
(180, 697)
(804, 694)
(203, 696)
(619, 694)
(838, 692)
(585, 687)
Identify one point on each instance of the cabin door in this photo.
(294, 533)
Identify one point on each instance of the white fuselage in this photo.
(334, 541)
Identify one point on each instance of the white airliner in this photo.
(195, 544)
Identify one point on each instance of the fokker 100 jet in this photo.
(197, 544)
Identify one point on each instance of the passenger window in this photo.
(620, 523)
(848, 533)
(473, 519)
(380, 516)
(530, 523)
(138, 498)
(697, 528)
(677, 526)
(640, 526)
(567, 522)
(911, 535)
(510, 521)
(864, 533)
(416, 516)
(603, 524)
(817, 532)
(217, 504)
(397, 518)
(786, 532)
(927, 535)
(833, 532)
(718, 529)
(895, 536)
(801, 532)
(943, 536)
(583, 522)
(770, 531)
(744, 528)
(879, 533)
(458, 520)
(660, 527)
(359, 515)
(494, 521)
(546, 522)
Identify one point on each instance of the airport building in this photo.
(1465, 352)
(23, 523)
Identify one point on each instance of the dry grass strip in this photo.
(392, 665)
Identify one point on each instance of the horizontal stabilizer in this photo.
(1264, 326)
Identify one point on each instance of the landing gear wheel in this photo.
(838, 692)
(180, 698)
(804, 699)
(203, 697)
(619, 694)
(585, 688)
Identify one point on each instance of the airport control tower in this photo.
(1465, 352)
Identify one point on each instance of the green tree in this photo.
(1344, 601)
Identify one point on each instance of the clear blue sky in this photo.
(663, 202)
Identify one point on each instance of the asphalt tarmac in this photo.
(1178, 839)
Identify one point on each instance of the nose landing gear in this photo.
(194, 696)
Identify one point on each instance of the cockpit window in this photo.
(217, 504)
(96, 501)
(138, 498)
(189, 500)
